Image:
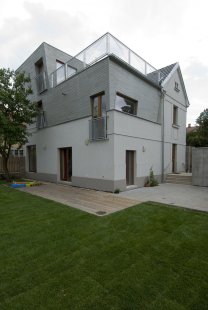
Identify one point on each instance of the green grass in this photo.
(54, 257)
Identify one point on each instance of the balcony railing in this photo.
(101, 48)
(98, 128)
(41, 82)
(41, 120)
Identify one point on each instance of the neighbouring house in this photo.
(106, 116)
(190, 129)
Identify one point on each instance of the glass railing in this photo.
(104, 46)
(41, 120)
(41, 82)
(98, 128)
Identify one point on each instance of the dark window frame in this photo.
(175, 115)
(134, 102)
(177, 87)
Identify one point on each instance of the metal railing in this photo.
(98, 128)
(101, 48)
(41, 120)
(41, 82)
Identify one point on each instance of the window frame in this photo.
(175, 115)
(176, 87)
(133, 101)
(100, 113)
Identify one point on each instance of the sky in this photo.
(161, 31)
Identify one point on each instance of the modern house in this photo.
(106, 116)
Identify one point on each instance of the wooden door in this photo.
(130, 167)
(66, 164)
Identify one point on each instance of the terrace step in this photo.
(179, 178)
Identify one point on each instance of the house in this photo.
(106, 116)
(190, 128)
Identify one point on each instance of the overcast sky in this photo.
(160, 31)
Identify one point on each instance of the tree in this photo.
(16, 112)
(199, 137)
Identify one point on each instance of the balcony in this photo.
(41, 82)
(101, 48)
(41, 120)
(98, 128)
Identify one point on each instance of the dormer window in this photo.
(176, 87)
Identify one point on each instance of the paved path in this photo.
(187, 196)
(85, 199)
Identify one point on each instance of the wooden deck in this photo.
(91, 201)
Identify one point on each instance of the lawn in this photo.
(55, 257)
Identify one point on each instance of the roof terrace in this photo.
(101, 48)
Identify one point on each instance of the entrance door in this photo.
(130, 167)
(174, 158)
(66, 164)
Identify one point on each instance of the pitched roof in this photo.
(166, 71)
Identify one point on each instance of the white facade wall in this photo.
(144, 137)
(90, 160)
(174, 134)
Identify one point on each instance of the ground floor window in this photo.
(31, 151)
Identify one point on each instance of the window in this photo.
(175, 115)
(126, 104)
(21, 153)
(31, 149)
(40, 119)
(40, 76)
(60, 72)
(98, 105)
(15, 152)
(98, 123)
(177, 87)
(70, 71)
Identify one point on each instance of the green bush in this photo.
(151, 180)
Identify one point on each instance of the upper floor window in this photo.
(40, 119)
(40, 77)
(98, 105)
(177, 87)
(125, 104)
(60, 72)
(175, 115)
(63, 71)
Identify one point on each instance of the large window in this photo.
(63, 71)
(31, 150)
(40, 76)
(125, 104)
(175, 115)
(40, 118)
(98, 105)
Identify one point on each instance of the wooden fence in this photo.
(16, 165)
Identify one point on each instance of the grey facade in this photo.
(67, 107)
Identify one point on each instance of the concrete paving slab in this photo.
(91, 201)
(187, 196)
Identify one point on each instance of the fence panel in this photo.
(15, 165)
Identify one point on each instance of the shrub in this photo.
(151, 180)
